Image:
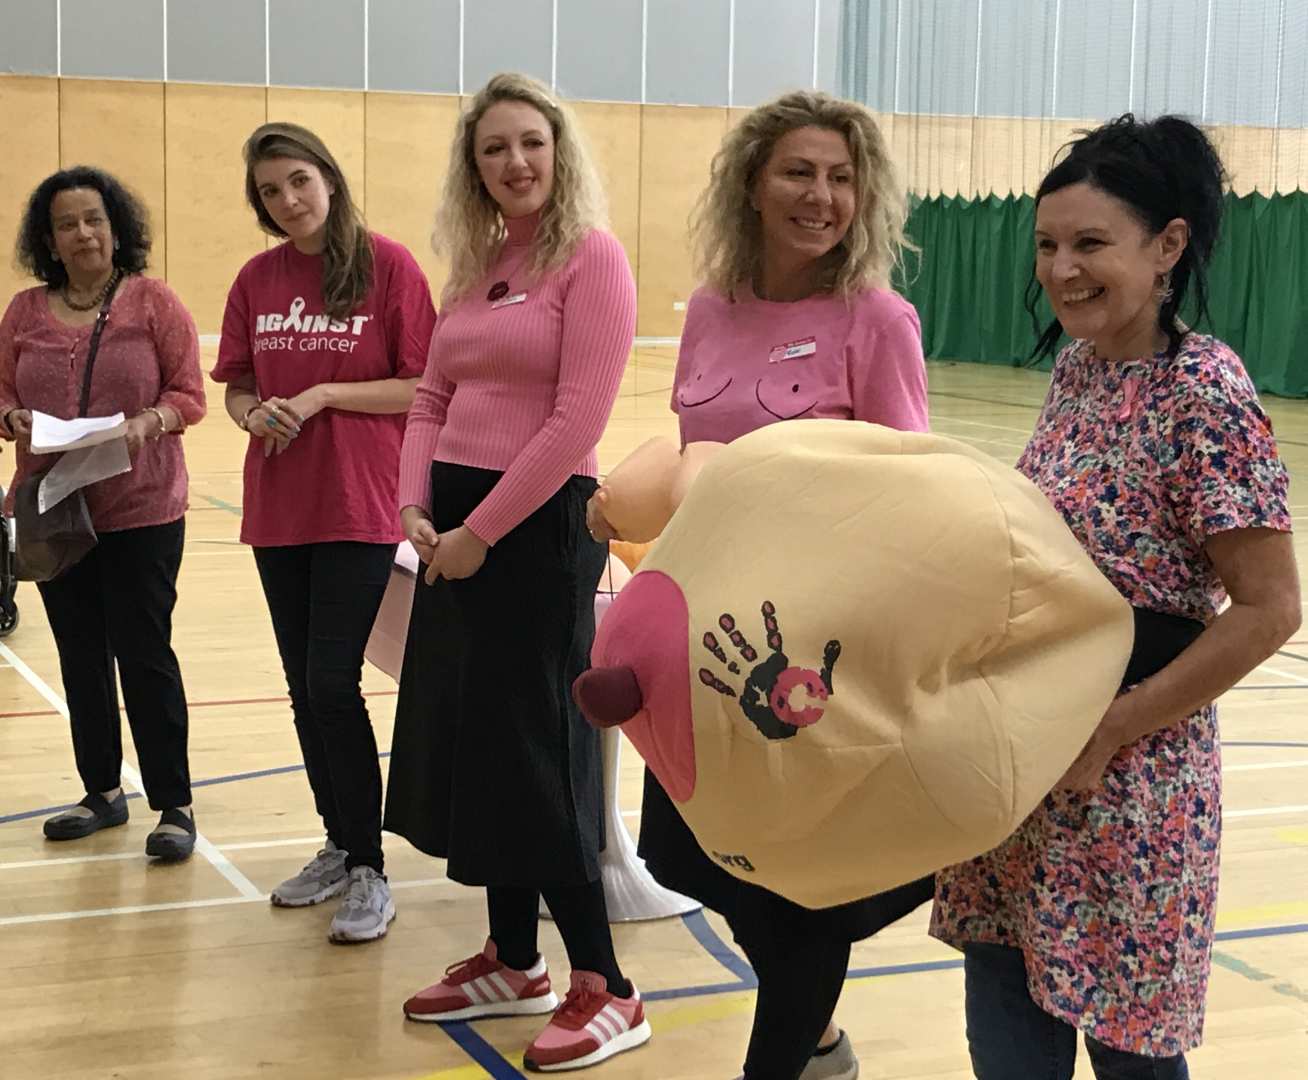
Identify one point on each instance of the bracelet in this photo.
(244, 422)
(163, 424)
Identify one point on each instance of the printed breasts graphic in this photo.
(307, 332)
(777, 698)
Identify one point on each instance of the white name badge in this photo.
(792, 350)
(516, 298)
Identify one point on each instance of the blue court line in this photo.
(5, 819)
(481, 1051)
(698, 925)
(222, 505)
(232, 779)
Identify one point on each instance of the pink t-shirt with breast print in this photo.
(746, 363)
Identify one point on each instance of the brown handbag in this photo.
(50, 544)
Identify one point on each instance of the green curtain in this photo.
(970, 279)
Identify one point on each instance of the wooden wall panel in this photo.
(1247, 153)
(408, 149)
(935, 153)
(677, 145)
(29, 135)
(1013, 155)
(1292, 160)
(211, 228)
(336, 117)
(614, 134)
(119, 126)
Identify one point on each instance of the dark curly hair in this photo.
(1160, 170)
(128, 221)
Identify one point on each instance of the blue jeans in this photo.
(1011, 1038)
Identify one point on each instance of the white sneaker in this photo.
(367, 910)
(320, 880)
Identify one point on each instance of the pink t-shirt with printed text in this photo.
(337, 480)
(747, 363)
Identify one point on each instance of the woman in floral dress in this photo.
(1097, 914)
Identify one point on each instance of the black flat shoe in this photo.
(104, 815)
(172, 847)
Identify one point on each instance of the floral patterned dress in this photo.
(1111, 894)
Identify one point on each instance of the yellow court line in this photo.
(1292, 836)
(690, 1015)
(1262, 914)
(463, 1072)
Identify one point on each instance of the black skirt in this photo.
(492, 766)
(677, 862)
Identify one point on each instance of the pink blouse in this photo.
(149, 356)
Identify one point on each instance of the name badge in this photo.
(516, 298)
(792, 350)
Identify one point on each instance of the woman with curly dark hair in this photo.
(86, 239)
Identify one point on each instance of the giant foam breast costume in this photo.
(857, 655)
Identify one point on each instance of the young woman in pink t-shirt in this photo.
(323, 340)
(796, 236)
(492, 766)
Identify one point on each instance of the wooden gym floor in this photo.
(115, 968)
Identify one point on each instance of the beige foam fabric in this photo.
(980, 648)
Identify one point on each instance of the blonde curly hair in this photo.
(469, 227)
(726, 232)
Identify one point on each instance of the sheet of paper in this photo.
(50, 435)
(406, 558)
(78, 468)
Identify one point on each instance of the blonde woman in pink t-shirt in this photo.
(492, 766)
(795, 236)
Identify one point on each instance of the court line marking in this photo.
(1266, 811)
(1297, 679)
(279, 699)
(125, 856)
(1265, 765)
(131, 777)
(180, 905)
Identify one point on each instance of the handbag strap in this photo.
(100, 320)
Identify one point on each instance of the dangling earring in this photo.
(115, 243)
(1164, 290)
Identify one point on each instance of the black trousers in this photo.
(324, 599)
(116, 605)
(800, 978)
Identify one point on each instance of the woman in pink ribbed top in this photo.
(492, 766)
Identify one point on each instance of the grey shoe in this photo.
(320, 880)
(838, 1063)
(367, 909)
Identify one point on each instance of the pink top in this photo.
(749, 362)
(149, 356)
(336, 481)
(523, 384)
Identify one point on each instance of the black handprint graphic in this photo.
(766, 699)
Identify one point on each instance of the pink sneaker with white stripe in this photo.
(590, 1026)
(482, 986)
